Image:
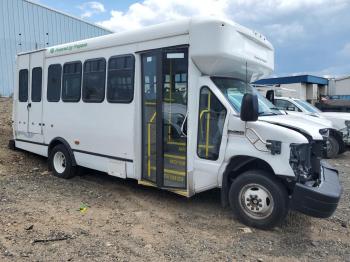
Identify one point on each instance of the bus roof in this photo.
(218, 46)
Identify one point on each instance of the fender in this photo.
(60, 140)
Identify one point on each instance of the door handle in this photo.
(29, 106)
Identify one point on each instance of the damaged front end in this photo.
(317, 188)
(305, 160)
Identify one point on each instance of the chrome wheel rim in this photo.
(256, 201)
(59, 162)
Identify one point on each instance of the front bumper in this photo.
(322, 200)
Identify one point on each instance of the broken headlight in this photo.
(324, 133)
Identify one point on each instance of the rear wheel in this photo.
(61, 162)
(258, 199)
(332, 147)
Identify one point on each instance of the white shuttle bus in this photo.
(159, 105)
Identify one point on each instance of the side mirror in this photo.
(270, 95)
(290, 108)
(249, 108)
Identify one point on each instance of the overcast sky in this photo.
(309, 36)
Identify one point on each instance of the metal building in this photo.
(306, 87)
(26, 26)
(340, 87)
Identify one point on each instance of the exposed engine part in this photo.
(305, 160)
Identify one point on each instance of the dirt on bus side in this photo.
(96, 217)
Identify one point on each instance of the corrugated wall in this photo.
(25, 26)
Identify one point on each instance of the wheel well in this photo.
(239, 165)
(53, 144)
(60, 141)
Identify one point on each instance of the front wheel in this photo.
(61, 162)
(258, 199)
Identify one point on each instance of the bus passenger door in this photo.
(35, 94)
(164, 114)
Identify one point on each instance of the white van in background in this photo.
(159, 105)
(340, 121)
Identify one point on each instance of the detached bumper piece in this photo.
(318, 201)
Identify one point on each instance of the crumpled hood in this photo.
(309, 127)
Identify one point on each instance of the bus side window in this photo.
(71, 83)
(212, 116)
(36, 84)
(120, 80)
(54, 83)
(94, 80)
(23, 85)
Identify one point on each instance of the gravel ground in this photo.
(95, 217)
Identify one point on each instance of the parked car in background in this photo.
(336, 103)
(339, 139)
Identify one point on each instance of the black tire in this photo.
(278, 207)
(69, 170)
(342, 148)
(332, 147)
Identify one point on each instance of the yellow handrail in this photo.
(202, 113)
(149, 144)
(208, 128)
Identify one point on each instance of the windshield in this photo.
(234, 89)
(307, 106)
